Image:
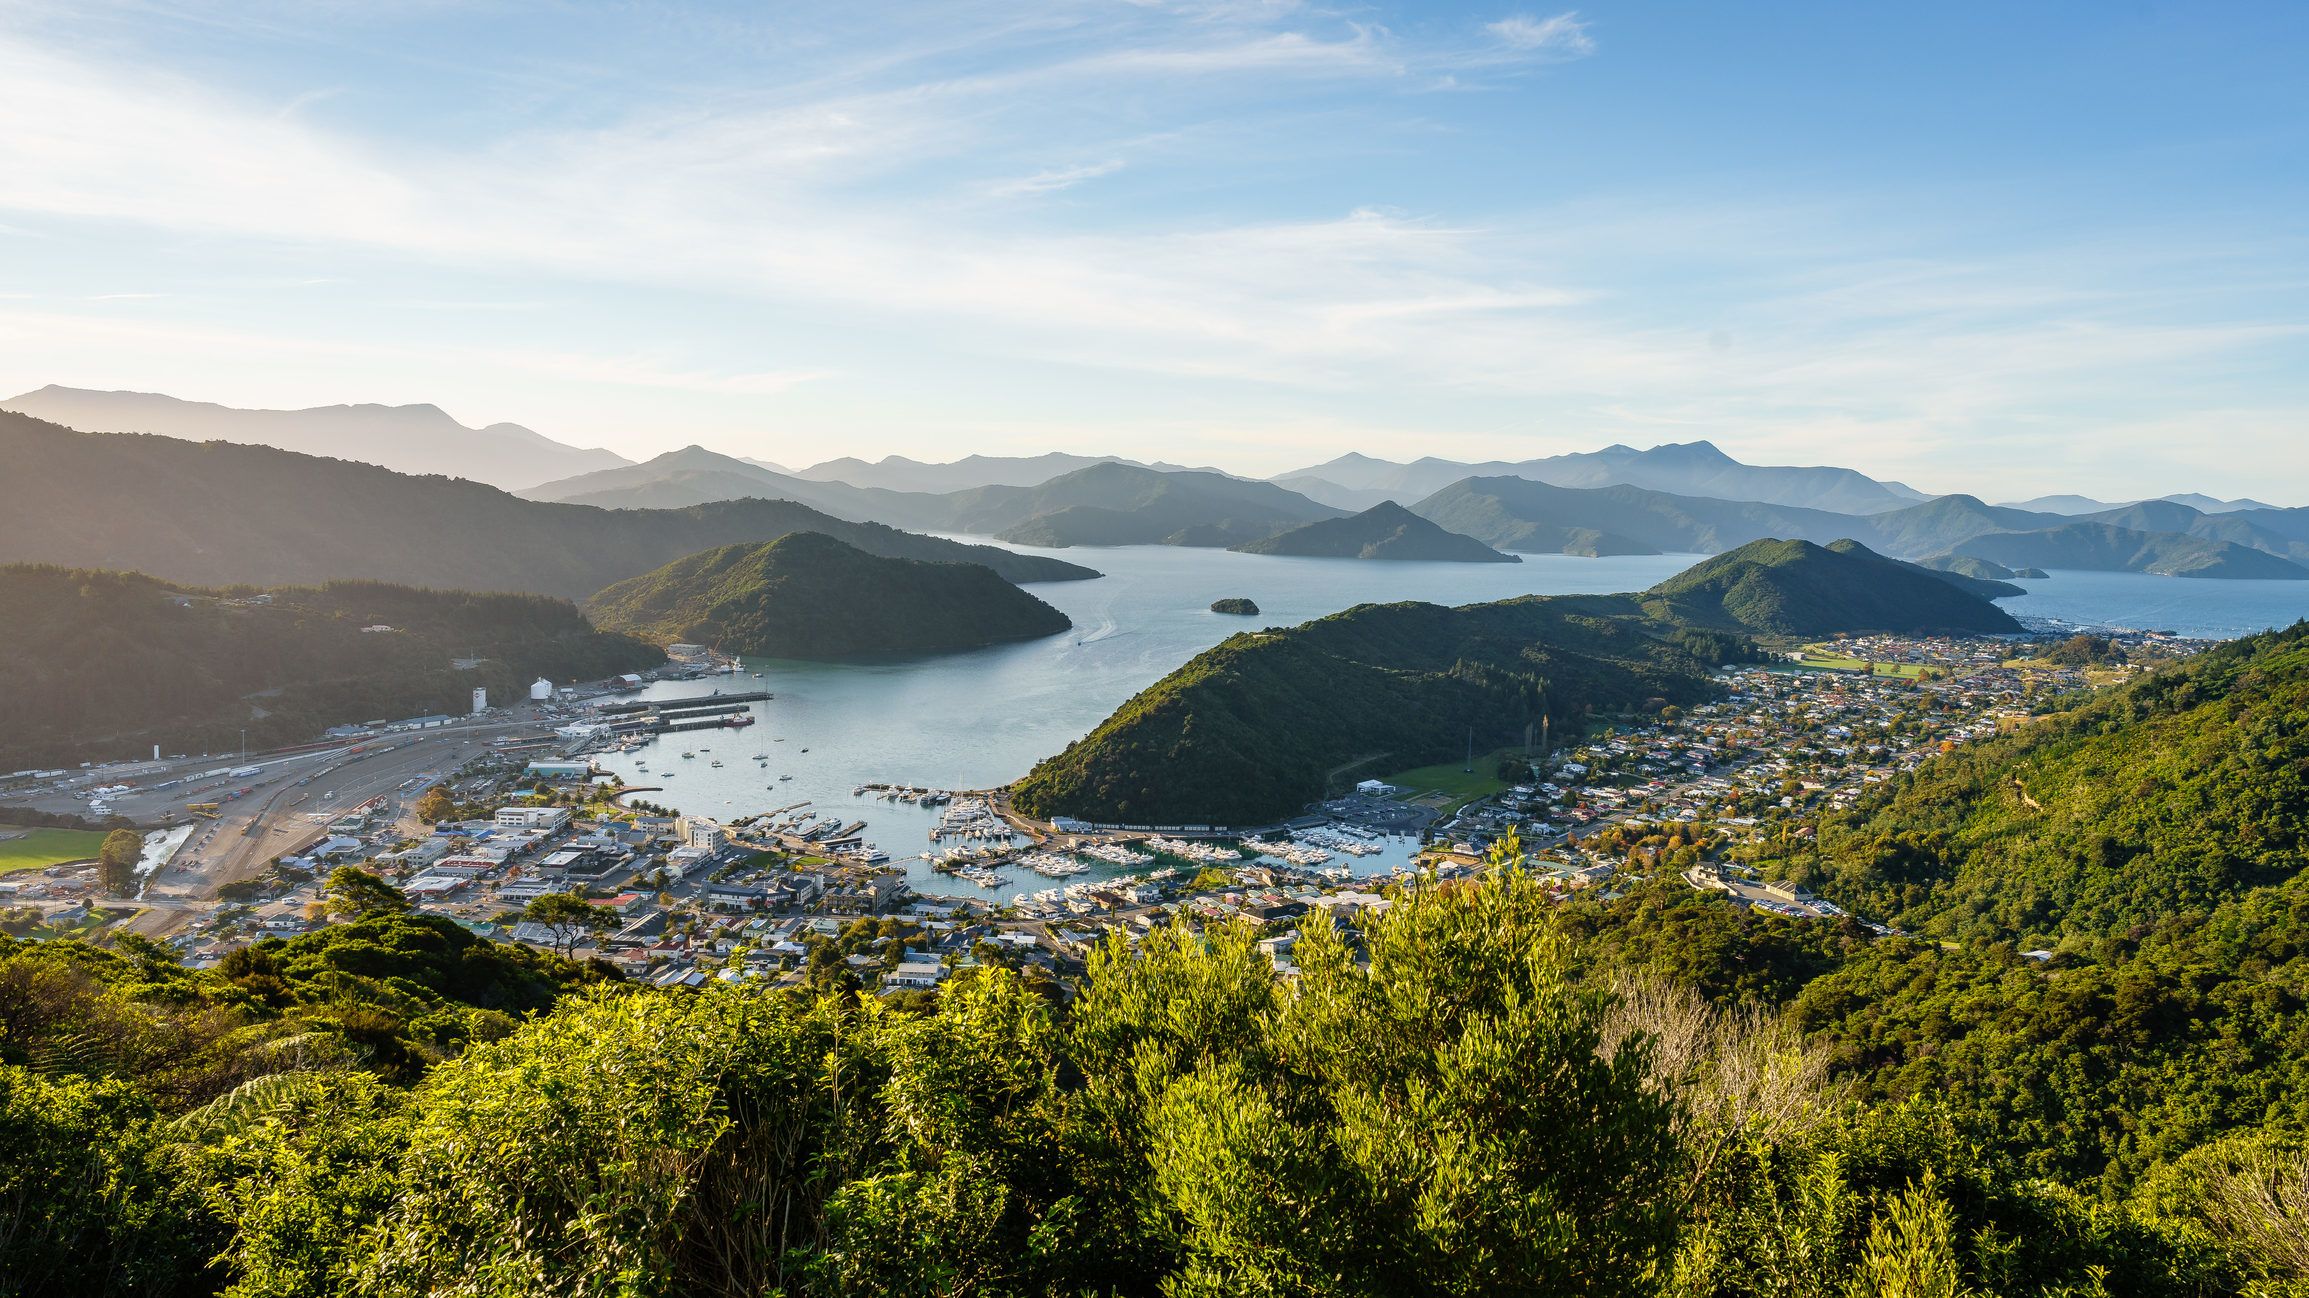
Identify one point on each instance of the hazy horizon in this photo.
(1967, 249)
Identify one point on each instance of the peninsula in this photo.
(810, 596)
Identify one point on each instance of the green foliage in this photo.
(354, 893)
(806, 595)
(91, 1200)
(2084, 651)
(116, 860)
(436, 806)
(571, 917)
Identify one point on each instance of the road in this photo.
(292, 801)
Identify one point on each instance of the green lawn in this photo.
(1815, 656)
(1452, 779)
(38, 849)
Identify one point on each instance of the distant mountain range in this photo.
(1121, 504)
(1513, 513)
(1685, 469)
(406, 439)
(898, 473)
(1384, 531)
(1681, 498)
(1104, 502)
(807, 595)
(2087, 505)
(220, 513)
(694, 475)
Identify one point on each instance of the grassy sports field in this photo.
(1452, 779)
(37, 849)
(1815, 656)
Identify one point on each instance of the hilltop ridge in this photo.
(1384, 531)
(808, 595)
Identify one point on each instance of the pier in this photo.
(677, 705)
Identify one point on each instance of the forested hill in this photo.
(1251, 730)
(2155, 805)
(811, 596)
(2108, 978)
(1384, 531)
(105, 664)
(220, 513)
(1796, 588)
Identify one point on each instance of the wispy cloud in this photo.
(1051, 181)
(1564, 33)
(778, 231)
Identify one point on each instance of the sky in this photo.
(2007, 249)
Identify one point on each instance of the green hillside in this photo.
(218, 513)
(2167, 797)
(1251, 730)
(811, 596)
(106, 664)
(1384, 531)
(2110, 961)
(1796, 588)
(1125, 504)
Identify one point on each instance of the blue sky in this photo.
(1996, 248)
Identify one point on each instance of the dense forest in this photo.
(1252, 730)
(1479, 1090)
(810, 596)
(220, 513)
(106, 664)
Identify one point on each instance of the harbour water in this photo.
(981, 719)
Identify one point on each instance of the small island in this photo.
(1236, 605)
(810, 596)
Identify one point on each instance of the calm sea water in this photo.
(2213, 610)
(980, 719)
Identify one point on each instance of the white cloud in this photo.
(1051, 181)
(1564, 33)
(858, 201)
